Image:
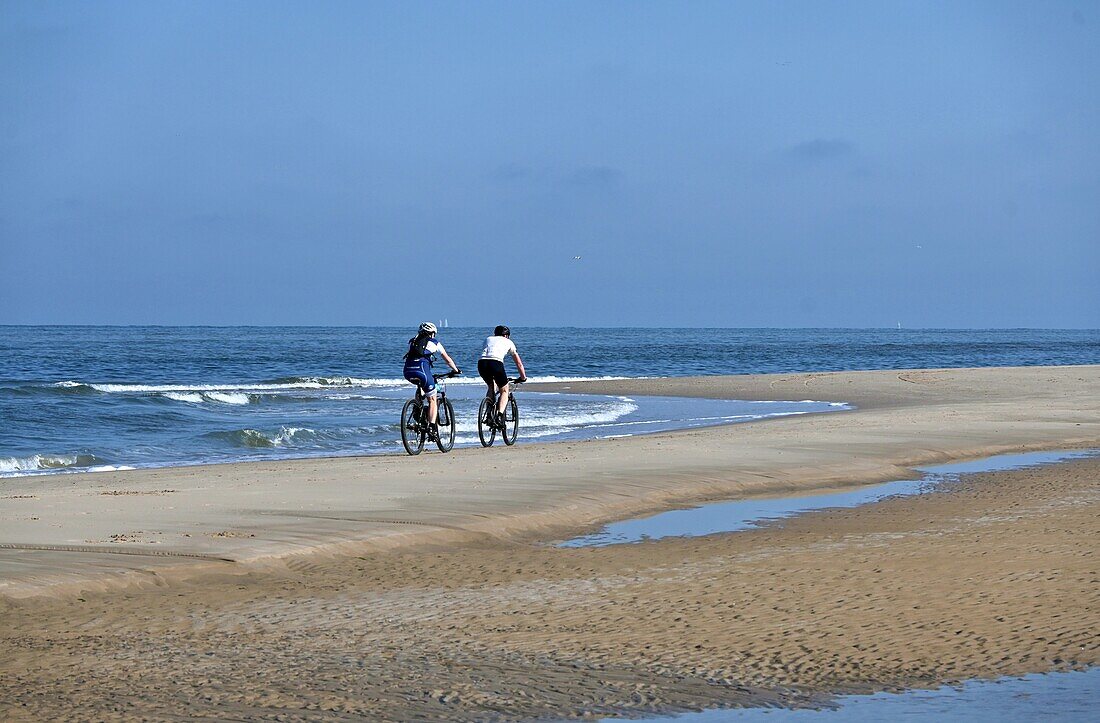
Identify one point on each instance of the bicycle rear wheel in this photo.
(413, 430)
(486, 432)
(511, 422)
(446, 439)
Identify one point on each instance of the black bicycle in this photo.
(415, 427)
(488, 424)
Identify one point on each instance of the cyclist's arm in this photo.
(447, 358)
(519, 365)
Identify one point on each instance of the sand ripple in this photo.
(997, 577)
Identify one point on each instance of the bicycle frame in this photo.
(512, 384)
(441, 388)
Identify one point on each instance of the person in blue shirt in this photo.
(418, 368)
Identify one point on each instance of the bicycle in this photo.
(488, 426)
(414, 419)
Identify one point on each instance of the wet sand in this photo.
(450, 605)
(998, 576)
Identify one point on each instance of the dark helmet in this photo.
(502, 330)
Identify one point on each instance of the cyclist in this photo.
(491, 366)
(418, 369)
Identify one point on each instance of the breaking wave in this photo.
(537, 423)
(280, 389)
(286, 383)
(49, 462)
(333, 439)
(256, 438)
(221, 397)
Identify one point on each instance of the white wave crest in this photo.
(287, 434)
(191, 397)
(256, 438)
(536, 421)
(292, 383)
(188, 388)
(605, 414)
(547, 379)
(227, 397)
(45, 462)
(200, 397)
(177, 388)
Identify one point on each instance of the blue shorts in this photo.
(420, 374)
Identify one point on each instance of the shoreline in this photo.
(259, 512)
(398, 453)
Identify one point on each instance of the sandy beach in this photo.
(803, 297)
(395, 588)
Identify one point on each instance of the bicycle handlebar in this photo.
(517, 380)
(448, 375)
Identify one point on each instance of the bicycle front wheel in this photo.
(486, 432)
(446, 439)
(413, 430)
(511, 422)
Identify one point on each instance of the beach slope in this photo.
(65, 532)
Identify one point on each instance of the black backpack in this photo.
(418, 347)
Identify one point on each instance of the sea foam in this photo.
(287, 384)
(46, 462)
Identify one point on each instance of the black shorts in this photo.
(492, 371)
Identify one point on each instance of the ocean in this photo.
(101, 398)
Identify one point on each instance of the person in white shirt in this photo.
(491, 365)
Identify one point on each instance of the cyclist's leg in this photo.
(425, 384)
(505, 389)
(485, 369)
(428, 390)
(412, 377)
(494, 370)
(433, 407)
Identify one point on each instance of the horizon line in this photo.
(564, 326)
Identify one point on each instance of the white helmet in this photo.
(428, 327)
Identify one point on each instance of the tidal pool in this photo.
(1073, 696)
(744, 514)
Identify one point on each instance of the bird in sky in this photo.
(576, 258)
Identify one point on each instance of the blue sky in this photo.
(713, 164)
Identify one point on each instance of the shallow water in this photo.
(1073, 696)
(156, 426)
(80, 398)
(745, 514)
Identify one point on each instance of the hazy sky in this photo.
(729, 164)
